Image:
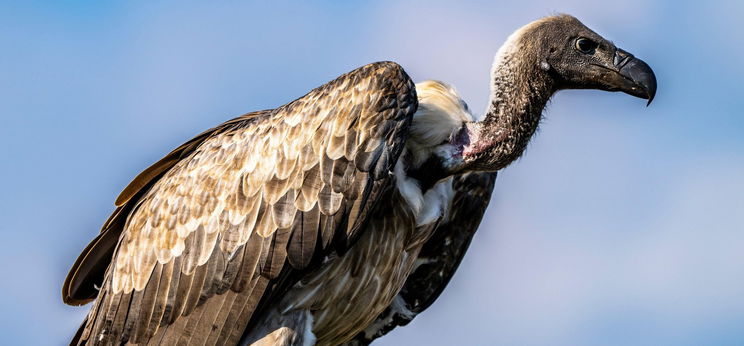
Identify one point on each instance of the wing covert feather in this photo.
(88, 270)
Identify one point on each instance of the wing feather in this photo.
(161, 300)
(247, 207)
(173, 290)
(88, 270)
(302, 244)
(149, 294)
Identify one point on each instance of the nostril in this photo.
(621, 58)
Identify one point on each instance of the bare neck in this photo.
(519, 91)
(520, 88)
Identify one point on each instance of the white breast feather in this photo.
(308, 338)
(440, 113)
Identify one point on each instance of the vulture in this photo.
(334, 218)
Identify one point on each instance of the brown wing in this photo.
(87, 272)
(439, 258)
(248, 209)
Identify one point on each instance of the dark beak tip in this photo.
(642, 76)
(650, 98)
(649, 84)
(650, 87)
(650, 92)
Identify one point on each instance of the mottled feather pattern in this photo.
(88, 270)
(229, 215)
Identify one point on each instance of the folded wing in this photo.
(225, 223)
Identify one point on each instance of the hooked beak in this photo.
(637, 78)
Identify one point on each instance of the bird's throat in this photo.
(519, 92)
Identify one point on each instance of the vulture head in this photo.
(550, 54)
(578, 58)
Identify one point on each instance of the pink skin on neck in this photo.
(473, 141)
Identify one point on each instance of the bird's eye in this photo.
(586, 45)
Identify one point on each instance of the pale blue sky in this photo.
(622, 225)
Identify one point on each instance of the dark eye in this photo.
(586, 45)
